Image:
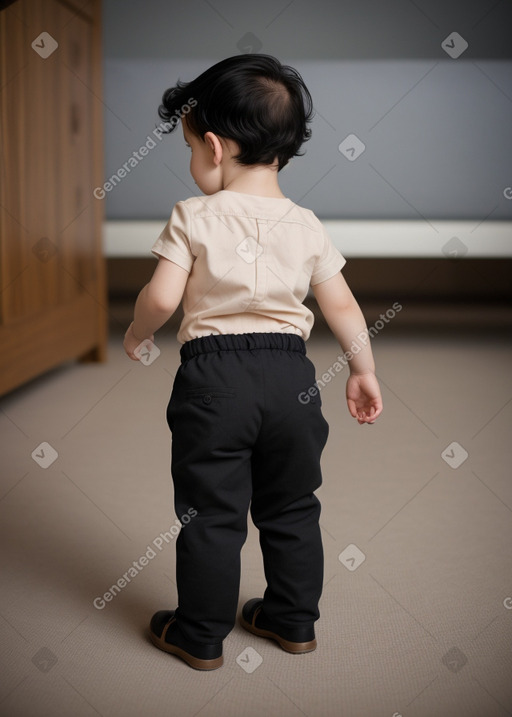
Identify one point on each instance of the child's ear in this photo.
(213, 142)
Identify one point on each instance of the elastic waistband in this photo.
(240, 342)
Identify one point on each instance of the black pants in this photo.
(240, 436)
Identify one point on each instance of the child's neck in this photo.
(261, 181)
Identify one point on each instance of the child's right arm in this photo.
(346, 321)
(155, 304)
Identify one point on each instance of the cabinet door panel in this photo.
(52, 269)
(75, 180)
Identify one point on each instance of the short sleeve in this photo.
(329, 263)
(174, 241)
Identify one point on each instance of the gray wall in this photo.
(436, 129)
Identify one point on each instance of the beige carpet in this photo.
(422, 627)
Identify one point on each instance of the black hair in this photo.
(253, 99)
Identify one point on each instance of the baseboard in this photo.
(384, 279)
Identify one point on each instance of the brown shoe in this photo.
(166, 635)
(297, 640)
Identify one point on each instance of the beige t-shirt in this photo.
(251, 260)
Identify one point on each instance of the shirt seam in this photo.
(212, 215)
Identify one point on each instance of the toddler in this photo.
(246, 421)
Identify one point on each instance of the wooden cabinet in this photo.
(53, 302)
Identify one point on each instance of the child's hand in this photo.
(131, 342)
(363, 397)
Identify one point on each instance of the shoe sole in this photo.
(295, 648)
(192, 661)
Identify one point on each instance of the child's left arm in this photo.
(155, 304)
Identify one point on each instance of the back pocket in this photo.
(209, 394)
